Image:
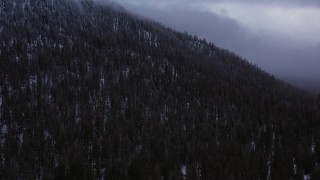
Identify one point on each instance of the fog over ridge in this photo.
(281, 37)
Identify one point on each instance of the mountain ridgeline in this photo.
(89, 91)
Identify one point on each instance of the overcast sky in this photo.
(280, 36)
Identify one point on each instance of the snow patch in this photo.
(307, 177)
(4, 129)
(269, 169)
(163, 118)
(253, 145)
(32, 80)
(183, 169)
(21, 137)
(46, 134)
(184, 127)
(29, 55)
(126, 72)
(108, 102)
(115, 24)
(270, 158)
(161, 69)
(102, 81)
(102, 172)
(312, 146)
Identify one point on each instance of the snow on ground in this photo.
(102, 172)
(183, 168)
(4, 129)
(307, 177)
(21, 138)
(253, 145)
(269, 164)
(126, 72)
(33, 80)
(46, 134)
(312, 148)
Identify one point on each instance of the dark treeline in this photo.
(91, 92)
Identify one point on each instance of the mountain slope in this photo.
(89, 91)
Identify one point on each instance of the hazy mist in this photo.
(282, 37)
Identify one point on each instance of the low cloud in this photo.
(279, 36)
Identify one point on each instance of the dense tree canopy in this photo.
(90, 91)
